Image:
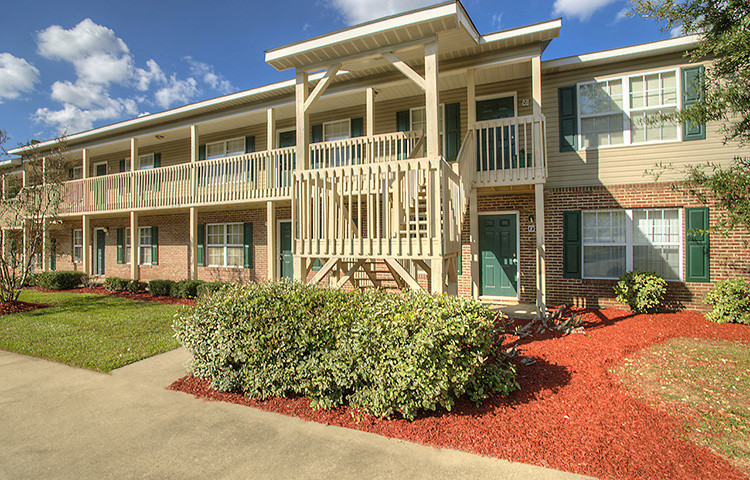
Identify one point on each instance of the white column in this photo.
(86, 240)
(134, 270)
(474, 242)
(25, 240)
(86, 162)
(270, 129)
(541, 281)
(303, 136)
(193, 266)
(471, 102)
(45, 250)
(370, 105)
(431, 99)
(133, 167)
(194, 149)
(536, 85)
(271, 240)
(437, 275)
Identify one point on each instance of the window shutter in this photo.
(247, 249)
(249, 144)
(402, 121)
(316, 161)
(71, 174)
(692, 86)
(154, 245)
(122, 165)
(202, 152)
(452, 130)
(157, 160)
(567, 107)
(53, 254)
(316, 134)
(698, 263)
(200, 253)
(120, 238)
(459, 264)
(157, 181)
(572, 244)
(357, 127)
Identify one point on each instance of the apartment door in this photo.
(100, 236)
(498, 242)
(287, 139)
(494, 150)
(285, 250)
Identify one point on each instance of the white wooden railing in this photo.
(354, 151)
(509, 151)
(241, 178)
(385, 209)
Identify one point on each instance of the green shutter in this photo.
(201, 241)
(249, 144)
(572, 244)
(459, 264)
(357, 127)
(247, 249)
(316, 133)
(122, 165)
(567, 108)
(120, 238)
(692, 86)
(39, 259)
(71, 174)
(402, 121)
(157, 160)
(154, 245)
(202, 152)
(697, 256)
(452, 130)
(53, 254)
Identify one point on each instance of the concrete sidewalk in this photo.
(63, 422)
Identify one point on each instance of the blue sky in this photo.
(93, 63)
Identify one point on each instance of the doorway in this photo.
(286, 269)
(100, 241)
(495, 149)
(498, 255)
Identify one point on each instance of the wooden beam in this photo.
(406, 70)
(437, 276)
(371, 275)
(536, 85)
(471, 102)
(270, 129)
(349, 274)
(453, 268)
(327, 267)
(303, 137)
(403, 274)
(370, 105)
(424, 265)
(194, 145)
(321, 86)
(431, 99)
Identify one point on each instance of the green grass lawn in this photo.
(98, 332)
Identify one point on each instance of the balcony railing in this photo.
(386, 147)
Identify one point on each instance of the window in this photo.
(146, 162)
(144, 245)
(77, 173)
(126, 246)
(419, 122)
(614, 111)
(77, 246)
(225, 148)
(623, 240)
(224, 243)
(338, 130)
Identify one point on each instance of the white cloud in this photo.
(74, 119)
(621, 15)
(206, 73)
(677, 31)
(176, 91)
(16, 76)
(358, 11)
(497, 20)
(581, 9)
(144, 78)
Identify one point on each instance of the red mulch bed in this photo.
(142, 296)
(571, 413)
(19, 306)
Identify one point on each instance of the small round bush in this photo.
(731, 301)
(135, 286)
(61, 280)
(642, 291)
(185, 289)
(160, 287)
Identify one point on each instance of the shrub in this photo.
(185, 289)
(731, 301)
(642, 291)
(114, 284)
(62, 280)
(135, 286)
(211, 287)
(160, 287)
(382, 353)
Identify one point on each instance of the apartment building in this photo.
(411, 152)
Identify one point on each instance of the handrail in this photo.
(356, 150)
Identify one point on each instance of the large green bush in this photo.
(382, 353)
(211, 287)
(160, 287)
(642, 291)
(731, 301)
(185, 289)
(61, 280)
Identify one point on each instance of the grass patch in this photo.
(98, 332)
(708, 380)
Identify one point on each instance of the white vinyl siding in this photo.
(224, 244)
(624, 240)
(78, 246)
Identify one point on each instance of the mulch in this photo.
(142, 296)
(571, 413)
(19, 306)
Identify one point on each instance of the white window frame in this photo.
(224, 245)
(441, 131)
(626, 110)
(629, 244)
(141, 158)
(224, 147)
(106, 168)
(142, 245)
(79, 257)
(348, 128)
(126, 246)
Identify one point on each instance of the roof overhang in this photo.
(10, 162)
(635, 52)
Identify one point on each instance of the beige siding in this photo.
(625, 164)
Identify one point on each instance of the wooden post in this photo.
(45, 240)
(471, 102)
(25, 240)
(437, 275)
(474, 242)
(133, 168)
(194, 148)
(193, 267)
(303, 137)
(431, 99)
(5, 186)
(541, 281)
(271, 240)
(134, 270)
(536, 85)
(270, 145)
(86, 240)
(85, 169)
(370, 104)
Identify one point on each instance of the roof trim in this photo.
(555, 24)
(620, 54)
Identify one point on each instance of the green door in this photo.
(100, 252)
(495, 146)
(498, 270)
(285, 239)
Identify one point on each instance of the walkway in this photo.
(64, 422)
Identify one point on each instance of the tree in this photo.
(27, 209)
(724, 28)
